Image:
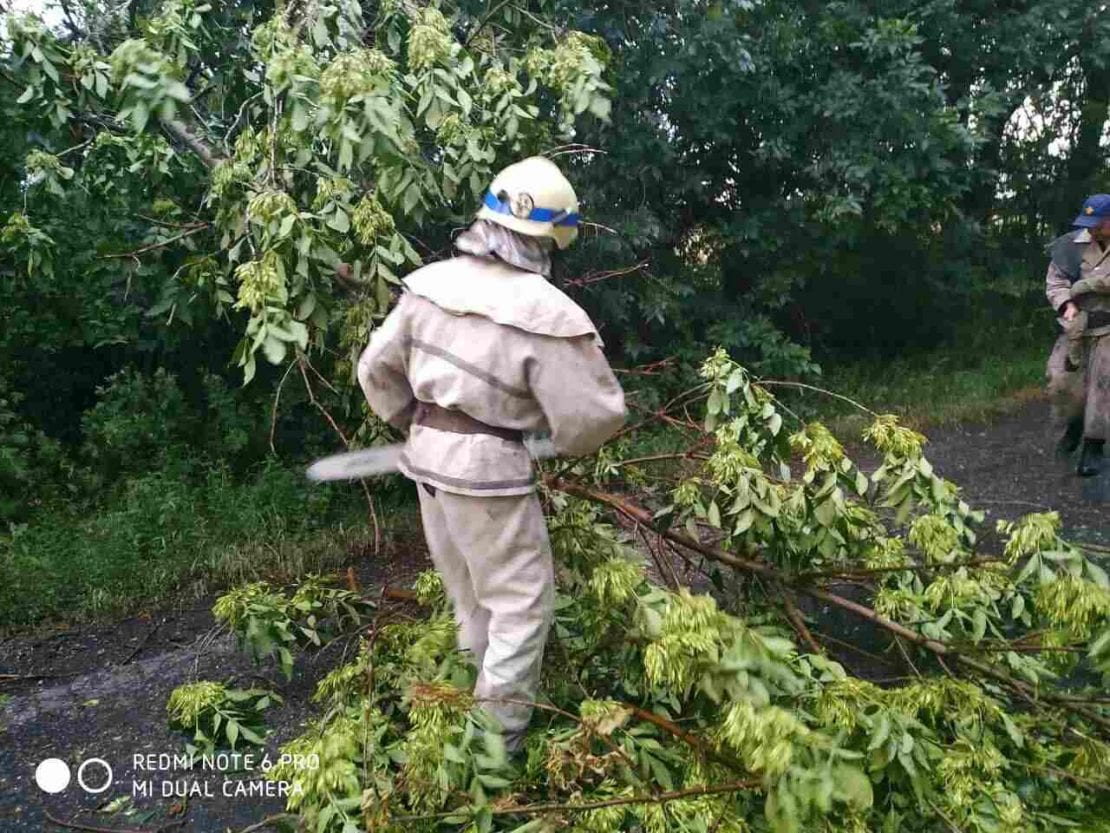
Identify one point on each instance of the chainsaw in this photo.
(374, 462)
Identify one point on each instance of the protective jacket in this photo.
(503, 346)
(475, 336)
(1079, 368)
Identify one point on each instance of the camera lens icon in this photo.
(100, 764)
(94, 775)
(52, 775)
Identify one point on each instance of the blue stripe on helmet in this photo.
(540, 215)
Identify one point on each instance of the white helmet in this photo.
(534, 198)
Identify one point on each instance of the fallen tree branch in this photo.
(764, 570)
(799, 624)
(691, 740)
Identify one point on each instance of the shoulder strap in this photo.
(468, 285)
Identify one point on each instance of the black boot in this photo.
(1070, 441)
(1090, 461)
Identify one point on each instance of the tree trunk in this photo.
(1086, 164)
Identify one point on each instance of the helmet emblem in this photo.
(521, 205)
(1090, 210)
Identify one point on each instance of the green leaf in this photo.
(979, 624)
(346, 155)
(339, 221)
(274, 349)
(306, 306)
(465, 101)
(714, 515)
(854, 787)
(825, 513)
(715, 403)
(881, 733)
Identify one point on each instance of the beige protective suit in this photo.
(506, 347)
(1079, 367)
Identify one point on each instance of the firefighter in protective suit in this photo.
(481, 350)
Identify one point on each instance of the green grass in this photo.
(937, 389)
(162, 535)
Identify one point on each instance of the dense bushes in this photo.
(165, 490)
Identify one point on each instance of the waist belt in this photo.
(1098, 318)
(431, 415)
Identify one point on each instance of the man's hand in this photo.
(1070, 311)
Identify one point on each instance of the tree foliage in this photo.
(789, 180)
(859, 176)
(193, 174)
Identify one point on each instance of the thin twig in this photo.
(651, 458)
(269, 820)
(589, 150)
(597, 225)
(951, 824)
(596, 277)
(274, 409)
(238, 117)
(802, 385)
(535, 809)
(863, 652)
(301, 362)
(150, 247)
(666, 569)
(906, 657)
(863, 572)
(14, 678)
(482, 23)
(649, 369)
(1061, 773)
(143, 642)
(1085, 546)
(73, 825)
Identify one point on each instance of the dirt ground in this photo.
(100, 692)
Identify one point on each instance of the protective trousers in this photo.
(1083, 393)
(495, 560)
